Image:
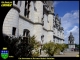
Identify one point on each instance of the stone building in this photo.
(34, 18)
(71, 42)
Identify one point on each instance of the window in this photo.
(42, 21)
(25, 10)
(13, 31)
(25, 4)
(16, 1)
(34, 6)
(25, 32)
(42, 38)
(28, 11)
(47, 19)
(26, 35)
(28, 14)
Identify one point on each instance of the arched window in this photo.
(26, 32)
(26, 36)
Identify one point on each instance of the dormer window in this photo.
(25, 10)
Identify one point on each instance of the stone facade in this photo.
(36, 16)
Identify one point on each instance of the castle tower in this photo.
(38, 15)
(71, 43)
(50, 19)
(11, 21)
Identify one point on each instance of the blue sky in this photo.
(68, 11)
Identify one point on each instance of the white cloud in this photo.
(70, 22)
(74, 29)
(70, 19)
(75, 32)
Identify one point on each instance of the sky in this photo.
(68, 11)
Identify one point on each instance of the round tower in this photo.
(50, 19)
(38, 15)
(11, 21)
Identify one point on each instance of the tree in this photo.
(22, 47)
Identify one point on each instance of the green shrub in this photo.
(35, 45)
(50, 48)
(53, 48)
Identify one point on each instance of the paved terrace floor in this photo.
(66, 54)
